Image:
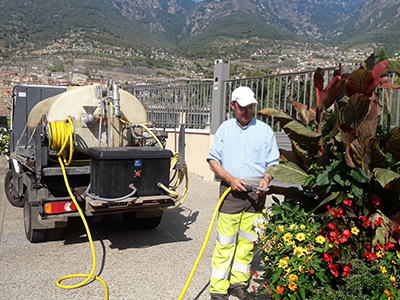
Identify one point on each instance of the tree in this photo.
(381, 55)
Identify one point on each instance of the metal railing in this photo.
(188, 102)
(169, 105)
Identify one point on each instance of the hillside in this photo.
(377, 21)
(34, 24)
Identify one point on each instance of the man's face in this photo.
(243, 114)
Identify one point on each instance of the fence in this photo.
(188, 102)
(185, 102)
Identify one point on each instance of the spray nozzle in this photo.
(253, 188)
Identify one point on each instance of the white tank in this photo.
(78, 101)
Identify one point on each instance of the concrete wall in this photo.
(198, 144)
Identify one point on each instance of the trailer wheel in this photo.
(33, 235)
(11, 192)
(133, 223)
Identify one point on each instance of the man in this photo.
(243, 149)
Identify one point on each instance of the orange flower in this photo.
(292, 286)
(279, 289)
(387, 292)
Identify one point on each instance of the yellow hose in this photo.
(60, 136)
(204, 243)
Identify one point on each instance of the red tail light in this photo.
(59, 207)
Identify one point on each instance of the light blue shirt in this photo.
(244, 152)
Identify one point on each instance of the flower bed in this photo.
(336, 237)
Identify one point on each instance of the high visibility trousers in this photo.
(233, 252)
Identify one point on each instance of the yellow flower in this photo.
(281, 228)
(266, 258)
(291, 243)
(300, 237)
(293, 277)
(380, 254)
(302, 226)
(292, 286)
(299, 251)
(383, 269)
(392, 278)
(288, 236)
(271, 214)
(320, 239)
(292, 226)
(302, 269)
(355, 230)
(282, 263)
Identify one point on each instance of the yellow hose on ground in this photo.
(62, 134)
(204, 243)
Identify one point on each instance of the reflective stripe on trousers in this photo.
(233, 252)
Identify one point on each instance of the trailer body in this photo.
(109, 160)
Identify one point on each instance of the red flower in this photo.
(334, 237)
(331, 226)
(340, 212)
(343, 239)
(334, 269)
(346, 270)
(327, 257)
(363, 218)
(312, 271)
(375, 200)
(378, 222)
(346, 233)
(370, 255)
(388, 247)
(366, 223)
(347, 202)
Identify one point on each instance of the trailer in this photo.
(90, 143)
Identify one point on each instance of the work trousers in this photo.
(233, 252)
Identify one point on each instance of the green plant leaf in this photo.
(279, 115)
(302, 294)
(338, 179)
(359, 175)
(288, 172)
(325, 177)
(301, 134)
(328, 199)
(356, 190)
(393, 143)
(384, 176)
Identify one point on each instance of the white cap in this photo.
(244, 96)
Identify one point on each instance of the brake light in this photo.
(59, 207)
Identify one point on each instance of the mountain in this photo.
(195, 28)
(377, 21)
(303, 17)
(162, 17)
(31, 24)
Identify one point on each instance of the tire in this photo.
(54, 234)
(11, 192)
(33, 235)
(133, 223)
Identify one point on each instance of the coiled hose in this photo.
(61, 133)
